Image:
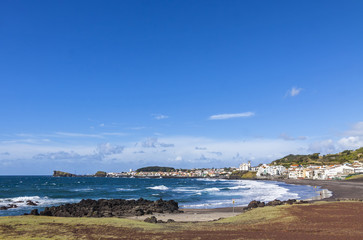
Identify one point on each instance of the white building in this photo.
(245, 166)
(265, 170)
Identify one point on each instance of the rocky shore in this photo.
(110, 208)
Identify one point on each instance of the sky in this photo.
(118, 85)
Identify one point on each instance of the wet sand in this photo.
(341, 190)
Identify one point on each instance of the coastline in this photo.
(340, 189)
(332, 190)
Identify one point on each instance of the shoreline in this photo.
(340, 189)
(332, 190)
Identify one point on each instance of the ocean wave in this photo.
(209, 204)
(213, 189)
(212, 180)
(238, 187)
(160, 187)
(82, 190)
(21, 202)
(126, 189)
(186, 189)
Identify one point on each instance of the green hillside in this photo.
(315, 159)
(155, 169)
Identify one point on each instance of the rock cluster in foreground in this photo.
(276, 202)
(110, 208)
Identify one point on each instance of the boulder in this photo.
(151, 219)
(31, 203)
(253, 204)
(34, 212)
(275, 202)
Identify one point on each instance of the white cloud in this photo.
(114, 134)
(153, 142)
(351, 142)
(323, 147)
(290, 138)
(200, 148)
(159, 116)
(81, 135)
(231, 115)
(294, 91)
(356, 130)
(109, 149)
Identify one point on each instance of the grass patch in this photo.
(41, 227)
(261, 215)
(353, 177)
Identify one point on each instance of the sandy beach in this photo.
(341, 190)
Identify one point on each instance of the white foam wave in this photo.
(238, 187)
(213, 189)
(21, 202)
(209, 204)
(160, 187)
(212, 180)
(125, 189)
(186, 189)
(82, 190)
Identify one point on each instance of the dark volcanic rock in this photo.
(151, 219)
(275, 202)
(34, 212)
(111, 208)
(31, 203)
(253, 204)
(8, 206)
(290, 201)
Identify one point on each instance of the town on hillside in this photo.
(347, 164)
(264, 171)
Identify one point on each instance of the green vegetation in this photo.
(156, 169)
(315, 159)
(261, 215)
(243, 175)
(354, 177)
(100, 174)
(41, 227)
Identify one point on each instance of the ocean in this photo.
(190, 193)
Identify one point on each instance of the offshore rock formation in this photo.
(110, 208)
(63, 174)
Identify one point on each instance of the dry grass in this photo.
(320, 220)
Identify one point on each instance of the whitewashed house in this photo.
(245, 166)
(339, 171)
(265, 170)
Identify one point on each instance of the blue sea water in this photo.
(190, 193)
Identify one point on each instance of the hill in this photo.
(156, 169)
(315, 159)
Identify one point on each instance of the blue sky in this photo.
(95, 85)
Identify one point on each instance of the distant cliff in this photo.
(65, 174)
